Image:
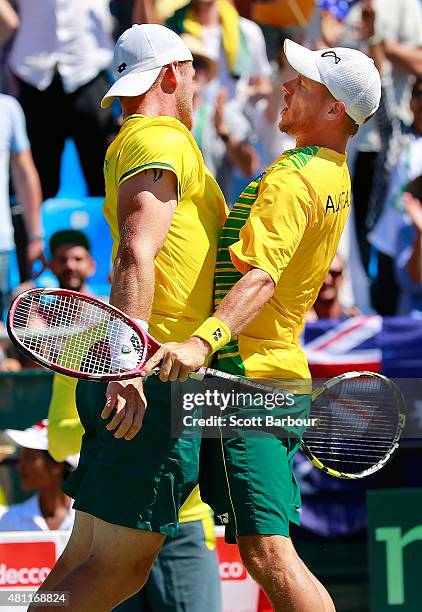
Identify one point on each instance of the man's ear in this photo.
(337, 110)
(170, 78)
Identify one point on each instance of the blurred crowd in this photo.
(55, 68)
(55, 60)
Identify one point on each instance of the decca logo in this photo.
(31, 576)
(25, 564)
(232, 570)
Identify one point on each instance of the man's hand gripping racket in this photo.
(360, 414)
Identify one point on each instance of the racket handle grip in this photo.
(199, 374)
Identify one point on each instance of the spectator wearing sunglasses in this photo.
(328, 304)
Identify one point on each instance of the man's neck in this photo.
(327, 139)
(150, 108)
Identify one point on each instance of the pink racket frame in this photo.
(151, 344)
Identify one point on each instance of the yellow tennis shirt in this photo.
(287, 222)
(184, 268)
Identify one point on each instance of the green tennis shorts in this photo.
(141, 483)
(248, 479)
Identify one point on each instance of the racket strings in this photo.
(357, 424)
(73, 332)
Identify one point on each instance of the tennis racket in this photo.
(359, 415)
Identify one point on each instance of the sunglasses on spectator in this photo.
(417, 93)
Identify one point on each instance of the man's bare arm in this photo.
(145, 209)
(240, 306)
(245, 300)
(404, 57)
(144, 12)
(27, 185)
(9, 21)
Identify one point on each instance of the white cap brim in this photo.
(29, 439)
(26, 439)
(302, 60)
(132, 84)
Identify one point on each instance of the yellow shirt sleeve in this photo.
(64, 427)
(158, 146)
(276, 224)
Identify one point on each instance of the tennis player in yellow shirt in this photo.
(274, 253)
(165, 212)
(185, 574)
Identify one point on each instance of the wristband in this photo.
(215, 332)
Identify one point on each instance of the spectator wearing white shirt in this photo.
(238, 43)
(15, 154)
(221, 130)
(49, 508)
(273, 142)
(398, 28)
(60, 56)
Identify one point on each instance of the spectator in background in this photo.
(9, 21)
(155, 11)
(71, 259)
(60, 56)
(73, 265)
(15, 150)
(8, 363)
(270, 140)
(393, 234)
(222, 131)
(238, 43)
(398, 27)
(328, 304)
(409, 251)
(49, 508)
(277, 16)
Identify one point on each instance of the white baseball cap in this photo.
(349, 75)
(139, 54)
(36, 437)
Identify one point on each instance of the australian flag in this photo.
(392, 347)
